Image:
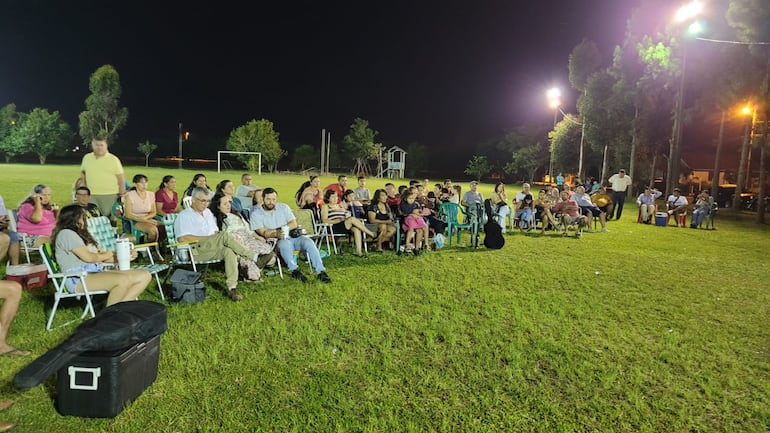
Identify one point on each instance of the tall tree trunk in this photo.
(41, 157)
(604, 164)
(763, 145)
(652, 169)
(742, 164)
(632, 163)
(720, 140)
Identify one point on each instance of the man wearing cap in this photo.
(620, 183)
(677, 204)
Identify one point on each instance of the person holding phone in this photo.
(37, 216)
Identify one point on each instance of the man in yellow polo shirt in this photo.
(102, 172)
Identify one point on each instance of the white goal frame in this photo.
(219, 159)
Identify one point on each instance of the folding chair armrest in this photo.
(79, 274)
(145, 245)
(186, 244)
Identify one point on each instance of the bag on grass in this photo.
(187, 287)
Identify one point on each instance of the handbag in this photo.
(187, 287)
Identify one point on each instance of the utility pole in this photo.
(180, 144)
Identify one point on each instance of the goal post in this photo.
(219, 159)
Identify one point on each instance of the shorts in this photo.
(595, 211)
(71, 282)
(29, 240)
(14, 237)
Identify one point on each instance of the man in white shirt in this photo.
(620, 183)
(197, 224)
(646, 202)
(245, 191)
(677, 204)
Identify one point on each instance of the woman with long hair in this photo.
(379, 214)
(166, 198)
(139, 207)
(342, 220)
(499, 200)
(227, 188)
(311, 196)
(76, 250)
(199, 181)
(234, 224)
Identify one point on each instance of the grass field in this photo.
(642, 329)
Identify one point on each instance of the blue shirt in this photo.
(279, 217)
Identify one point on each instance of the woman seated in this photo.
(525, 211)
(166, 198)
(227, 188)
(342, 220)
(413, 223)
(76, 250)
(543, 210)
(233, 223)
(311, 197)
(37, 217)
(499, 200)
(199, 181)
(139, 207)
(380, 215)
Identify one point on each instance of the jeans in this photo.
(618, 198)
(287, 246)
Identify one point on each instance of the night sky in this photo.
(447, 74)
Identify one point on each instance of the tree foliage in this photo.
(8, 122)
(359, 144)
(146, 149)
(103, 116)
(477, 167)
(304, 156)
(42, 133)
(584, 60)
(256, 136)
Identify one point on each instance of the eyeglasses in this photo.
(203, 200)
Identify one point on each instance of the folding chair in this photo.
(13, 218)
(450, 212)
(181, 252)
(61, 290)
(105, 235)
(318, 233)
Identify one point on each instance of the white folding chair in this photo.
(61, 290)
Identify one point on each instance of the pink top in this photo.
(25, 225)
(169, 205)
(141, 206)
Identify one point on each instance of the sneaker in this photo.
(297, 275)
(579, 233)
(234, 294)
(324, 278)
(589, 230)
(604, 230)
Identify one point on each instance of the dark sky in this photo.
(447, 74)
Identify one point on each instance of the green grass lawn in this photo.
(642, 329)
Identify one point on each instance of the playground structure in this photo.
(396, 159)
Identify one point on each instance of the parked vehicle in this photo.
(725, 195)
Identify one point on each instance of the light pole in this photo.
(554, 102)
(744, 176)
(683, 14)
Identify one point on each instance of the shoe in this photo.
(589, 230)
(297, 275)
(578, 234)
(604, 230)
(324, 278)
(234, 294)
(264, 260)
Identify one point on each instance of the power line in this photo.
(720, 41)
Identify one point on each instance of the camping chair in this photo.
(128, 225)
(306, 219)
(708, 220)
(186, 201)
(13, 218)
(61, 290)
(105, 235)
(181, 252)
(450, 212)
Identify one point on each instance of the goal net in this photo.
(221, 161)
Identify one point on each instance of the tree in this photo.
(41, 132)
(146, 148)
(103, 116)
(256, 136)
(583, 61)
(9, 119)
(526, 160)
(477, 167)
(305, 156)
(419, 158)
(565, 139)
(359, 144)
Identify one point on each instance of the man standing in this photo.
(197, 224)
(340, 187)
(275, 220)
(245, 191)
(620, 183)
(102, 172)
(560, 182)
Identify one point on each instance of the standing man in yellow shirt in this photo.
(102, 172)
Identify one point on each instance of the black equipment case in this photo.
(101, 384)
